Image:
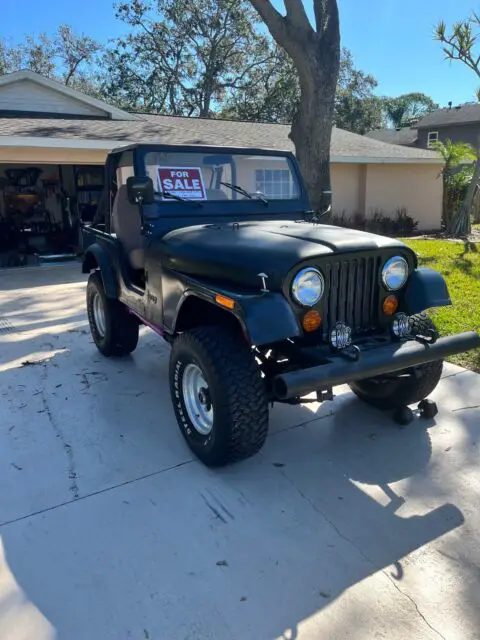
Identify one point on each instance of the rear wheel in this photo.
(404, 387)
(218, 395)
(114, 330)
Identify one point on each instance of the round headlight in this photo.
(395, 273)
(308, 286)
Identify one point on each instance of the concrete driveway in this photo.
(345, 526)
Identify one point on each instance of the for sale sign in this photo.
(183, 182)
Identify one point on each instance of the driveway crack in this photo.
(72, 473)
(361, 552)
(475, 406)
(412, 600)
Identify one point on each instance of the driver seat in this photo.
(127, 224)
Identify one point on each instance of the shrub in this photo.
(406, 225)
(379, 222)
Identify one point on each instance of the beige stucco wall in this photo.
(346, 184)
(364, 188)
(356, 187)
(417, 187)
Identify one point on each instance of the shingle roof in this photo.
(171, 130)
(404, 136)
(463, 114)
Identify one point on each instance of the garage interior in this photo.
(42, 207)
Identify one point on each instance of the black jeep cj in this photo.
(216, 250)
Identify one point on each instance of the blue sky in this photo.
(390, 39)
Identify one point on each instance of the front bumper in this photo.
(372, 362)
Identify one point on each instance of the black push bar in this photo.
(373, 362)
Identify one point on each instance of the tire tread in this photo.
(244, 399)
(122, 327)
(409, 390)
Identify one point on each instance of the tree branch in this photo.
(73, 70)
(459, 45)
(234, 84)
(297, 15)
(276, 23)
(326, 17)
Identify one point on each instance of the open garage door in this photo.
(42, 205)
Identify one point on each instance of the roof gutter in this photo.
(380, 160)
(60, 143)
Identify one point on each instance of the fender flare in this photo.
(96, 257)
(269, 318)
(426, 288)
(264, 319)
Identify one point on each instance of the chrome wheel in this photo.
(99, 315)
(196, 396)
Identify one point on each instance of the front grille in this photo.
(351, 294)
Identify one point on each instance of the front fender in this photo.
(426, 288)
(96, 257)
(268, 318)
(265, 317)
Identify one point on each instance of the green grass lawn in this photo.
(460, 265)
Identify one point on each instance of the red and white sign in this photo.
(184, 182)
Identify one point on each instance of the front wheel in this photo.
(218, 395)
(403, 387)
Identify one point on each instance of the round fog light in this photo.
(341, 336)
(401, 325)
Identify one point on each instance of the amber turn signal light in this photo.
(224, 301)
(390, 305)
(311, 320)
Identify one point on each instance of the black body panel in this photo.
(238, 252)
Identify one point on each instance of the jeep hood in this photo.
(238, 252)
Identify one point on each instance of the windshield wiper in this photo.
(172, 196)
(244, 192)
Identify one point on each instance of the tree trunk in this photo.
(311, 134)
(445, 203)
(461, 222)
(476, 207)
(316, 56)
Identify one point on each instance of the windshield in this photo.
(201, 176)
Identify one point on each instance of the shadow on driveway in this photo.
(251, 550)
(114, 531)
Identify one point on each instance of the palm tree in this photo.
(455, 154)
(407, 108)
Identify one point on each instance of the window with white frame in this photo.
(432, 138)
(275, 183)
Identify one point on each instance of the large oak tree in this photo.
(315, 52)
(184, 57)
(272, 94)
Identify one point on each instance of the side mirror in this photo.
(140, 190)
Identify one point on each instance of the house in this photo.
(459, 124)
(406, 136)
(54, 141)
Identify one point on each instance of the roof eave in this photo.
(109, 145)
(445, 125)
